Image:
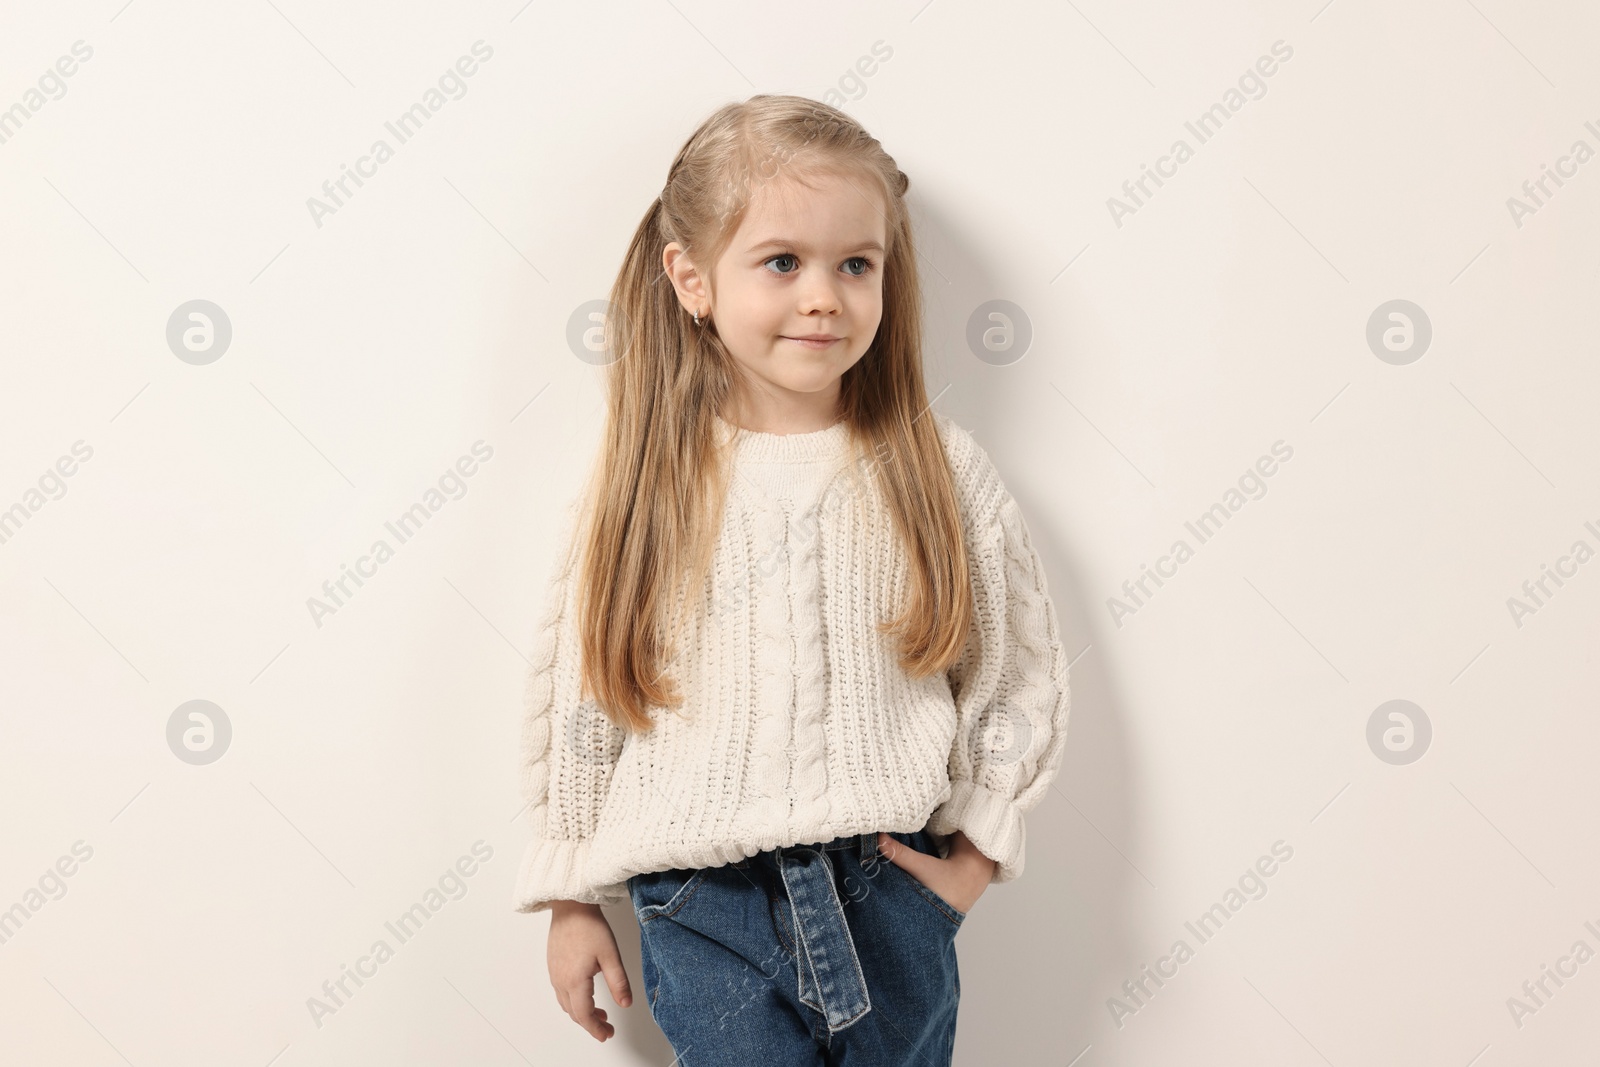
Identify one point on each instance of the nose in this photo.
(817, 293)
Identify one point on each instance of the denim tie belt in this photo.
(830, 971)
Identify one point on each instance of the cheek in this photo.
(759, 310)
(867, 309)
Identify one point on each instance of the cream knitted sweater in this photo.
(799, 724)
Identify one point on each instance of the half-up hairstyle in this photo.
(654, 501)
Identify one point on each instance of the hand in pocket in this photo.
(960, 878)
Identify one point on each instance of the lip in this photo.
(817, 340)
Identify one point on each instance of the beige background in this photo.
(1169, 353)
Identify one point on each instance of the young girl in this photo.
(796, 628)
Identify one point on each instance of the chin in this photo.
(813, 380)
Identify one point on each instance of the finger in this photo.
(585, 1014)
(906, 857)
(616, 978)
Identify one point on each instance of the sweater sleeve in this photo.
(1010, 684)
(569, 750)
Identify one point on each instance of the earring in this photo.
(697, 318)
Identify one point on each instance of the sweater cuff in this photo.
(554, 870)
(991, 821)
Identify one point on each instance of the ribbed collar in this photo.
(757, 447)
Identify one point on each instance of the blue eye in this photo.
(782, 255)
(867, 266)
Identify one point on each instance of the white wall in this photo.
(1171, 350)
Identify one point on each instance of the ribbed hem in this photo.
(554, 870)
(757, 447)
(990, 821)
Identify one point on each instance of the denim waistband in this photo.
(847, 841)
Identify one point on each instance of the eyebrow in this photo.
(790, 243)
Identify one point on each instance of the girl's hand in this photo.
(581, 943)
(960, 878)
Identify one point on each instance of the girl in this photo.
(797, 628)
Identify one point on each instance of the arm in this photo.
(1010, 687)
(568, 752)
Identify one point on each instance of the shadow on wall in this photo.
(1038, 955)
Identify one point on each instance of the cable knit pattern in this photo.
(571, 763)
(798, 724)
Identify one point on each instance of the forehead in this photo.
(829, 211)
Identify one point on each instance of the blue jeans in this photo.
(818, 954)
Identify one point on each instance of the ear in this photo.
(686, 279)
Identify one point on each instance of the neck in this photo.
(799, 413)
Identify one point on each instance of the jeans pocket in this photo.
(658, 893)
(922, 841)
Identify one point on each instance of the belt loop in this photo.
(869, 849)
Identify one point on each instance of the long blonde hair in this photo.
(656, 492)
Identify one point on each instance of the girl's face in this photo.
(804, 262)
